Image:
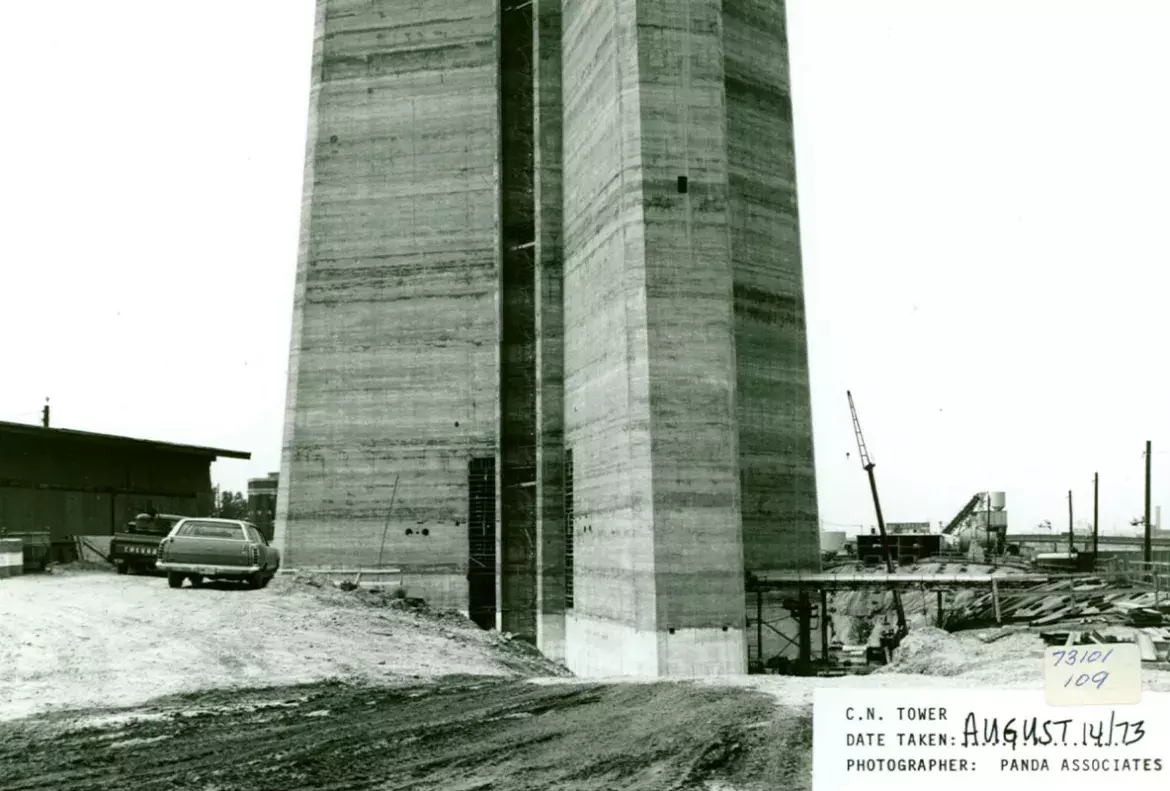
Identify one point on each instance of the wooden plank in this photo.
(1146, 647)
(1050, 618)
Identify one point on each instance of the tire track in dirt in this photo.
(457, 734)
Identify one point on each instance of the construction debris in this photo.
(1087, 599)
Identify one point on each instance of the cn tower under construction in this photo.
(548, 355)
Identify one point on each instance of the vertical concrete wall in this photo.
(393, 368)
(779, 497)
(698, 560)
(549, 321)
(518, 389)
(650, 357)
(612, 626)
(687, 404)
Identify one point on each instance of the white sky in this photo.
(983, 203)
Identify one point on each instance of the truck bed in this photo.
(134, 550)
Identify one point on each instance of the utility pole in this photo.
(990, 541)
(1094, 517)
(1149, 550)
(1071, 547)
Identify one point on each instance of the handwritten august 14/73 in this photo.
(1017, 732)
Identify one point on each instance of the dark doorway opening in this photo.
(570, 532)
(481, 542)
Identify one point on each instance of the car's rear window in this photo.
(212, 530)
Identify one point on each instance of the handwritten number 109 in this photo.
(1084, 678)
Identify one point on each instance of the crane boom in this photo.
(862, 450)
(868, 465)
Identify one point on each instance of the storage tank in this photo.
(832, 540)
(974, 535)
(998, 500)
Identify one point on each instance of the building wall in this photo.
(773, 409)
(83, 488)
(650, 355)
(612, 625)
(549, 320)
(517, 549)
(698, 549)
(393, 365)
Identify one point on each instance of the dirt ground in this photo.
(78, 639)
(455, 735)
(307, 687)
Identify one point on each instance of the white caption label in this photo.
(967, 739)
(1093, 675)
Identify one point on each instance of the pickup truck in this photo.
(135, 548)
(217, 549)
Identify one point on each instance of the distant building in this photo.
(262, 502)
(904, 548)
(81, 483)
(895, 528)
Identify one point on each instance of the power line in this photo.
(840, 524)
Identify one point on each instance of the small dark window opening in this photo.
(682, 184)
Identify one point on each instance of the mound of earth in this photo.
(97, 639)
(929, 651)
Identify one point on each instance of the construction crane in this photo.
(868, 465)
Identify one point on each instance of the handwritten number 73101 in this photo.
(1074, 657)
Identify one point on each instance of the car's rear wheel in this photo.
(256, 581)
(174, 580)
(264, 581)
(196, 580)
(122, 569)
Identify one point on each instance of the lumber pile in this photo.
(1049, 603)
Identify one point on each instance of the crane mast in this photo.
(868, 465)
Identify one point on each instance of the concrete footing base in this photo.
(598, 648)
(550, 636)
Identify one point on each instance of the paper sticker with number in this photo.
(1107, 674)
